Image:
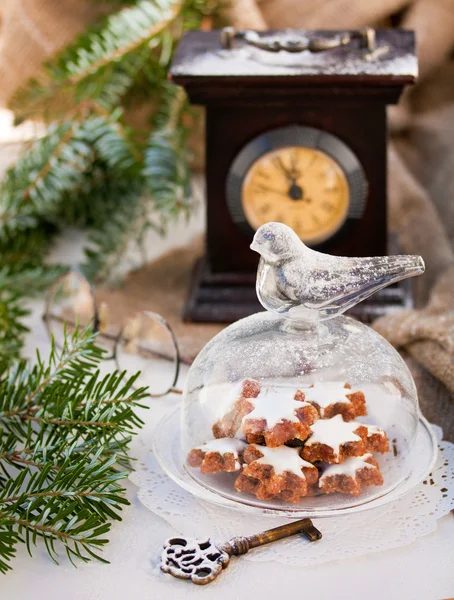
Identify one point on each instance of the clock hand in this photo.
(283, 168)
(274, 191)
(295, 192)
(294, 168)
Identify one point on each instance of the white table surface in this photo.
(423, 570)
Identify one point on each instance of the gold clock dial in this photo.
(299, 186)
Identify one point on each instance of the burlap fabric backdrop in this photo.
(421, 163)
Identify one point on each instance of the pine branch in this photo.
(110, 240)
(37, 184)
(24, 249)
(50, 454)
(112, 140)
(33, 188)
(17, 459)
(62, 429)
(8, 542)
(64, 177)
(24, 281)
(12, 329)
(65, 430)
(166, 168)
(110, 54)
(160, 193)
(123, 33)
(78, 539)
(18, 278)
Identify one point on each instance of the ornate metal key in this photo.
(201, 561)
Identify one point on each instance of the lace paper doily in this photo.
(395, 524)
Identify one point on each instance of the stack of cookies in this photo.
(289, 443)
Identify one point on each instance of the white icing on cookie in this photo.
(223, 446)
(282, 459)
(333, 432)
(374, 430)
(350, 466)
(324, 394)
(220, 396)
(239, 435)
(274, 405)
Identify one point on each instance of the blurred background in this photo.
(102, 160)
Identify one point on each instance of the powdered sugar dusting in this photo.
(205, 57)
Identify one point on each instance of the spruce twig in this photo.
(64, 429)
(61, 481)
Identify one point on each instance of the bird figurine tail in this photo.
(303, 284)
(366, 276)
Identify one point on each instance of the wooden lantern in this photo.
(295, 132)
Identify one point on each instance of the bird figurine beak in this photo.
(255, 246)
(261, 248)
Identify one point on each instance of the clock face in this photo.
(304, 177)
(300, 186)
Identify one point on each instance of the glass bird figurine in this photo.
(301, 283)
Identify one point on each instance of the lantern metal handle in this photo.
(366, 37)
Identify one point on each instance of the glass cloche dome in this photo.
(299, 406)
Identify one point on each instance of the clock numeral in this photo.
(264, 209)
(327, 206)
(263, 174)
(316, 220)
(332, 188)
(312, 160)
(279, 218)
(260, 189)
(304, 227)
(297, 226)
